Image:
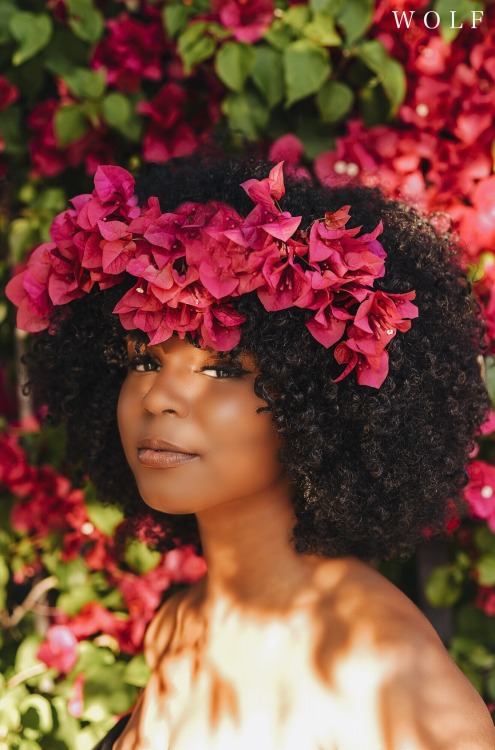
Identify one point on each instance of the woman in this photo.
(304, 393)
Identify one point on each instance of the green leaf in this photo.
(71, 602)
(355, 18)
(174, 19)
(11, 130)
(315, 136)
(116, 109)
(86, 84)
(25, 657)
(297, 16)
(486, 570)
(473, 623)
(7, 10)
(444, 586)
(86, 22)
(452, 15)
(36, 713)
(279, 35)
(106, 518)
(484, 539)
(233, 64)
(334, 101)
(137, 671)
(195, 46)
(306, 68)
(246, 114)
(32, 32)
(489, 371)
(4, 579)
(140, 557)
(322, 31)
(99, 701)
(268, 74)
(28, 744)
(70, 124)
(64, 53)
(388, 72)
(326, 6)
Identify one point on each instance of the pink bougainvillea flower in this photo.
(248, 19)
(8, 93)
(168, 134)
(485, 600)
(192, 263)
(133, 50)
(221, 327)
(289, 149)
(480, 492)
(75, 706)
(268, 190)
(478, 222)
(59, 649)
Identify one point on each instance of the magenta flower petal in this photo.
(113, 184)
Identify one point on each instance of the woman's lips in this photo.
(160, 454)
(163, 459)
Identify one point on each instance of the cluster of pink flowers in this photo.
(47, 504)
(132, 50)
(191, 264)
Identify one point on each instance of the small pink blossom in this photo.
(168, 135)
(133, 50)
(480, 492)
(75, 706)
(59, 649)
(248, 19)
(8, 93)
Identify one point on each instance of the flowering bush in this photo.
(324, 83)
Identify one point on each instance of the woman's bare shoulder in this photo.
(164, 625)
(392, 660)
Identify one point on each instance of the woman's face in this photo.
(190, 429)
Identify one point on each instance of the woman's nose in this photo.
(166, 393)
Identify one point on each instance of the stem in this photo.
(21, 677)
(37, 592)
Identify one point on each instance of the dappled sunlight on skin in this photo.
(245, 676)
(351, 664)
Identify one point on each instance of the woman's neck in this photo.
(250, 561)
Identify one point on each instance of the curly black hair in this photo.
(373, 469)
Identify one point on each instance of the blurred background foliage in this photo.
(398, 92)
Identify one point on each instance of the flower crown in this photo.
(192, 263)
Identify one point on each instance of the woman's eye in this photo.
(223, 372)
(144, 364)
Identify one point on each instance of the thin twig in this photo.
(25, 674)
(36, 593)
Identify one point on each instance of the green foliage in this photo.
(195, 46)
(306, 68)
(32, 32)
(453, 15)
(389, 73)
(85, 20)
(355, 18)
(334, 99)
(233, 64)
(268, 74)
(70, 124)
